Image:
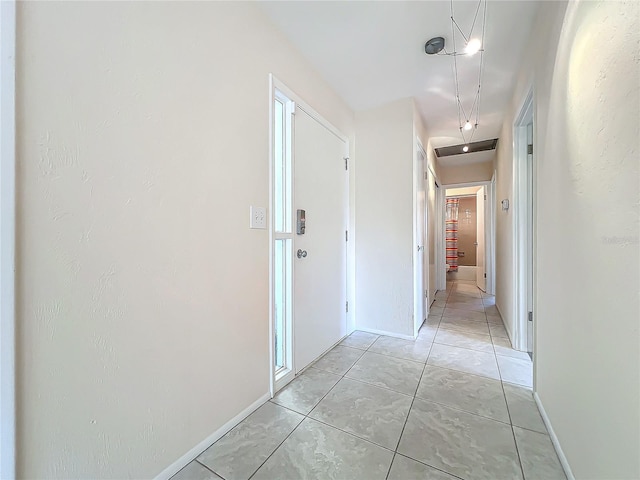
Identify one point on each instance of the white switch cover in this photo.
(258, 217)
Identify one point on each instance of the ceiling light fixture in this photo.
(465, 149)
(473, 47)
(434, 45)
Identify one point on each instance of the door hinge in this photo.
(426, 175)
(346, 163)
(347, 309)
(529, 149)
(426, 294)
(531, 316)
(485, 275)
(485, 197)
(346, 235)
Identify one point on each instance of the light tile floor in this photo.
(454, 403)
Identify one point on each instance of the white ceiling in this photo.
(372, 53)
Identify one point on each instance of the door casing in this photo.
(276, 84)
(523, 229)
(489, 229)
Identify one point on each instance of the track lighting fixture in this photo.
(472, 45)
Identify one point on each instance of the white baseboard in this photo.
(506, 327)
(554, 439)
(383, 332)
(179, 464)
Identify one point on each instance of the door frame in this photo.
(7, 240)
(489, 230)
(441, 246)
(521, 228)
(417, 180)
(276, 84)
(438, 239)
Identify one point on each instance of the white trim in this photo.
(466, 184)
(554, 438)
(519, 209)
(307, 108)
(270, 220)
(7, 239)
(388, 334)
(182, 462)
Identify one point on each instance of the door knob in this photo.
(301, 253)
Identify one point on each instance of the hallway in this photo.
(457, 400)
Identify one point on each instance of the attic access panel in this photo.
(481, 146)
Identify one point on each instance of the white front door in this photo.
(319, 254)
(481, 271)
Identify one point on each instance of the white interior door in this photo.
(320, 270)
(529, 200)
(419, 269)
(432, 193)
(481, 272)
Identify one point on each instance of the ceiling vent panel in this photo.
(481, 146)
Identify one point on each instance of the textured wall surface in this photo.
(587, 138)
(142, 305)
(474, 172)
(384, 218)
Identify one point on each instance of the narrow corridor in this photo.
(455, 403)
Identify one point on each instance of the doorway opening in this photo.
(468, 234)
(309, 190)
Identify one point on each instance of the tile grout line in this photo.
(203, 465)
(344, 375)
(305, 415)
(513, 433)
(334, 427)
(430, 466)
(276, 449)
(378, 386)
(412, 402)
(404, 425)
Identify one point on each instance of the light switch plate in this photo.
(258, 217)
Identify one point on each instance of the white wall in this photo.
(586, 84)
(454, 192)
(142, 295)
(473, 172)
(384, 218)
